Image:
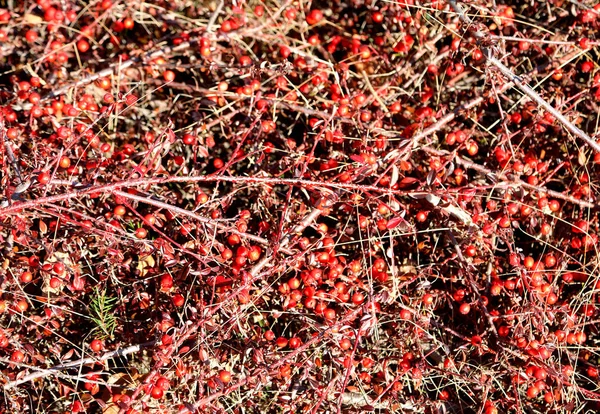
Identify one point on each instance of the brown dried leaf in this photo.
(68, 355)
(32, 18)
(144, 263)
(111, 409)
(581, 158)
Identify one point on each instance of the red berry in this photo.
(169, 75)
(218, 163)
(166, 282)
(43, 178)
(225, 376)
(96, 345)
(329, 314)
(58, 268)
(532, 392)
(314, 17)
(428, 299)
(141, 233)
(587, 66)
(120, 210)
(358, 298)
(65, 162)
(421, 216)
(178, 300)
(465, 308)
(189, 139)
(149, 219)
(83, 45)
(377, 17)
(163, 383)
(17, 356)
(26, 277)
(294, 343)
(405, 314)
(294, 283)
(21, 305)
(31, 35)
(345, 344)
(157, 392)
(166, 340)
(291, 14)
(470, 251)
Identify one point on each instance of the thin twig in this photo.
(255, 273)
(449, 117)
(77, 363)
(274, 368)
(214, 16)
(520, 83)
(206, 221)
(190, 179)
(374, 93)
(508, 181)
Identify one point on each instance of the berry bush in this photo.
(299, 206)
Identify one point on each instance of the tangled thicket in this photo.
(286, 206)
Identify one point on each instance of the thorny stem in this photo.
(348, 371)
(450, 116)
(208, 222)
(255, 273)
(246, 180)
(79, 362)
(273, 369)
(151, 55)
(516, 80)
(510, 181)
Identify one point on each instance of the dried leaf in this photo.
(449, 169)
(394, 222)
(144, 263)
(460, 214)
(203, 151)
(394, 178)
(492, 177)
(21, 188)
(433, 199)
(32, 18)
(431, 177)
(392, 154)
(111, 409)
(394, 205)
(368, 323)
(68, 355)
(581, 158)
(119, 378)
